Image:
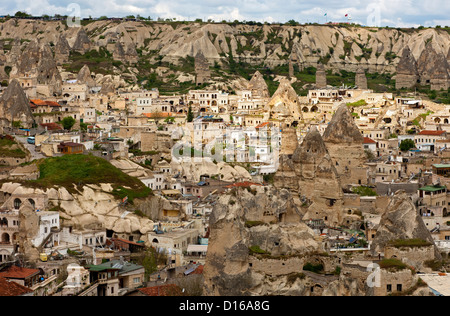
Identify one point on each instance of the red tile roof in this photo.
(37, 102)
(199, 270)
(158, 115)
(15, 272)
(262, 125)
(431, 133)
(11, 288)
(161, 290)
(368, 140)
(51, 126)
(53, 103)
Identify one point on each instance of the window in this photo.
(17, 203)
(399, 287)
(389, 288)
(136, 280)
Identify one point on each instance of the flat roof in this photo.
(432, 188)
(441, 165)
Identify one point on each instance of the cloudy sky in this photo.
(396, 13)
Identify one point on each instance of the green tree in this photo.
(84, 127)
(20, 14)
(190, 115)
(407, 144)
(68, 122)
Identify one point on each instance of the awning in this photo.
(197, 248)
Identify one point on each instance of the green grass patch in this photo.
(410, 243)
(10, 148)
(364, 191)
(357, 103)
(72, 171)
(392, 265)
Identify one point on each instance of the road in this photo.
(31, 148)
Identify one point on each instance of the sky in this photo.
(393, 13)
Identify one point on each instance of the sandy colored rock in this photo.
(258, 86)
(401, 221)
(321, 77)
(361, 79)
(15, 106)
(285, 103)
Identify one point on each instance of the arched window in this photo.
(17, 204)
(33, 204)
(5, 238)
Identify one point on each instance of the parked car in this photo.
(30, 140)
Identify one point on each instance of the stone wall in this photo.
(414, 256)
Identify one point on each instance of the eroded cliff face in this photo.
(259, 246)
(401, 221)
(372, 49)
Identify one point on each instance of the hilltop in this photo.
(161, 54)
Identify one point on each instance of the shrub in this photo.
(316, 268)
(392, 265)
(256, 250)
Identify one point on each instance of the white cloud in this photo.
(394, 12)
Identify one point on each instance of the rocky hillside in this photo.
(338, 47)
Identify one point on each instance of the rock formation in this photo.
(108, 87)
(28, 62)
(312, 176)
(407, 73)
(306, 43)
(3, 75)
(36, 63)
(321, 77)
(119, 52)
(202, 72)
(257, 218)
(285, 103)
(84, 77)
(401, 221)
(62, 50)
(82, 43)
(361, 79)
(131, 54)
(289, 141)
(16, 51)
(258, 86)
(48, 73)
(15, 106)
(28, 229)
(340, 133)
(433, 69)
